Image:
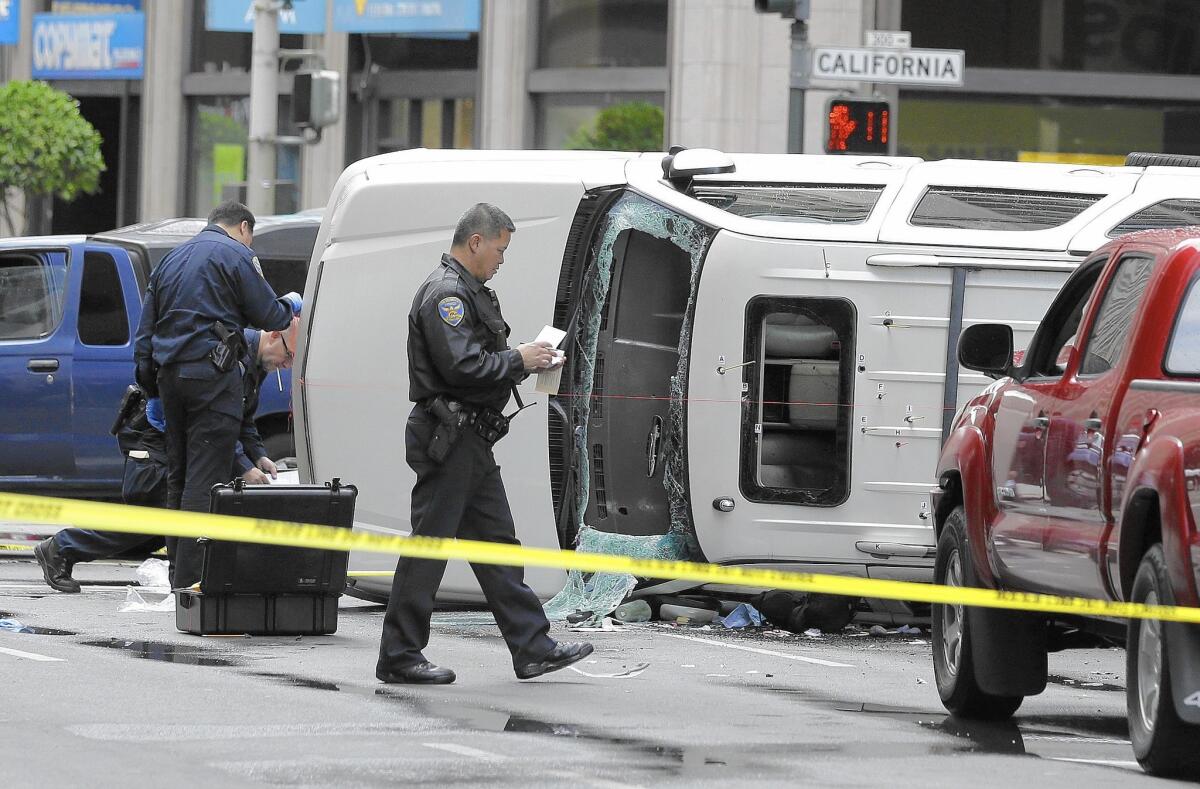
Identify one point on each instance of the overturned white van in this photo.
(760, 348)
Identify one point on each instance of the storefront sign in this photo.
(89, 47)
(906, 66)
(10, 21)
(237, 16)
(95, 6)
(406, 16)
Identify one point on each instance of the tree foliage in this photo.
(46, 146)
(632, 126)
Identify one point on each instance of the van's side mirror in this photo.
(987, 348)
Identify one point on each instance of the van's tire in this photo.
(959, 635)
(1163, 744)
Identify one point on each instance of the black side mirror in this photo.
(987, 348)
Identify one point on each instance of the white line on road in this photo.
(31, 656)
(1104, 762)
(463, 750)
(758, 651)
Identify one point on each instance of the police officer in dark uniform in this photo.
(200, 298)
(461, 373)
(140, 436)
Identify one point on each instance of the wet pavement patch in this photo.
(166, 653)
(295, 680)
(1072, 682)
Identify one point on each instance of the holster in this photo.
(228, 350)
(451, 418)
(454, 418)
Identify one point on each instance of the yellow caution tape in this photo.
(174, 523)
(16, 547)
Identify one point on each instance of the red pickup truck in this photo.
(1078, 473)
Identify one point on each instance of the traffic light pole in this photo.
(797, 83)
(264, 108)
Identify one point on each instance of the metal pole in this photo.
(264, 108)
(798, 82)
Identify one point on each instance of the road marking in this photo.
(758, 651)
(463, 750)
(1103, 762)
(31, 656)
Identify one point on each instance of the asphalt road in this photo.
(122, 699)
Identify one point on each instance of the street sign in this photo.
(887, 39)
(903, 66)
(237, 16)
(405, 16)
(10, 21)
(111, 46)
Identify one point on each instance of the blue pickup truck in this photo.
(69, 307)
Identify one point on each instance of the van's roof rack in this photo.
(1142, 159)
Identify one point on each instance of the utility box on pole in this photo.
(315, 100)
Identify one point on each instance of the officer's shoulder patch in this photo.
(451, 310)
(257, 266)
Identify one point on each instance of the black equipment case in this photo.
(268, 589)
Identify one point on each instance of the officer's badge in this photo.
(257, 266)
(451, 310)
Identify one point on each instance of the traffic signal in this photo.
(858, 126)
(315, 99)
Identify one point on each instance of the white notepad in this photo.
(548, 382)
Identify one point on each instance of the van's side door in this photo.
(38, 298)
(109, 309)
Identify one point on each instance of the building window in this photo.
(1073, 131)
(563, 117)
(796, 430)
(425, 123)
(599, 33)
(1149, 36)
(219, 130)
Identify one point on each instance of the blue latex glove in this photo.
(154, 414)
(295, 300)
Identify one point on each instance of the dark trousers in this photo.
(462, 497)
(202, 408)
(85, 545)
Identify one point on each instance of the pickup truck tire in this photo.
(1163, 744)
(956, 630)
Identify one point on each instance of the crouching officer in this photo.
(461, 373)
(200, 298)
(140, 430)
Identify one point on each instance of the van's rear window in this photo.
(1178, 212)
(974, 208)
(837, 204)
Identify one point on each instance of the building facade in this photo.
(1061, 80)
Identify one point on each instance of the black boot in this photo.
(55, 568)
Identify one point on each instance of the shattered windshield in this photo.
(838, 204)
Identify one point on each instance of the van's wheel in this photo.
(1163, 744)
(954, 632)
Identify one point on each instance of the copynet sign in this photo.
(109, 46)
(906, 66)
